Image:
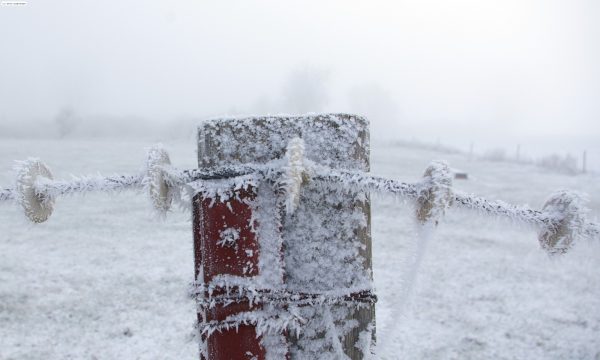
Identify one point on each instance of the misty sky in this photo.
(524, 71)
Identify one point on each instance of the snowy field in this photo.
(103, 279)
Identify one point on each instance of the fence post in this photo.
(323, 249)
(471, 151)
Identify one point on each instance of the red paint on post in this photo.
(240, 343)
(224, 243)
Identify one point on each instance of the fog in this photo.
(488, 73)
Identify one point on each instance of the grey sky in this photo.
(477, 70)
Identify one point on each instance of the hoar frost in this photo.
(229, 237)
(319, 229)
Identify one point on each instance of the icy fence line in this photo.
(53, 188)
(357, 181)
(562, 214)
(366, 182)
(502, 209)
(175, 177)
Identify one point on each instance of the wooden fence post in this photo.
(321, 252)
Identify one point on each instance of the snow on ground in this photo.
(104, 279)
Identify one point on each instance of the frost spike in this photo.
(567, 211)
(159, 189)
(38, 206)
(436, 195)
(293, 174)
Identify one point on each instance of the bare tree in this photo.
(66, 120)
(374, 102)
(306, 90)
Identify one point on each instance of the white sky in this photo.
(491, 72)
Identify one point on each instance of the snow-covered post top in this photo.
(324, 277)
(335, 140)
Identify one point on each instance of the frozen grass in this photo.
(103, 279)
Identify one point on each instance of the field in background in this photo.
(104, 280)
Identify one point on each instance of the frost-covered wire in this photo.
(294, 170)
(206, 299)
(330, 178)
(88, 184)
(263, 321)
(360, 181)
(178, 177)
(326, 177)
(541, 219)
(560, 222)
(501, 209)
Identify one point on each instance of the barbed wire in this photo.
(83, 184)
(34, 188)
(206, 300)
